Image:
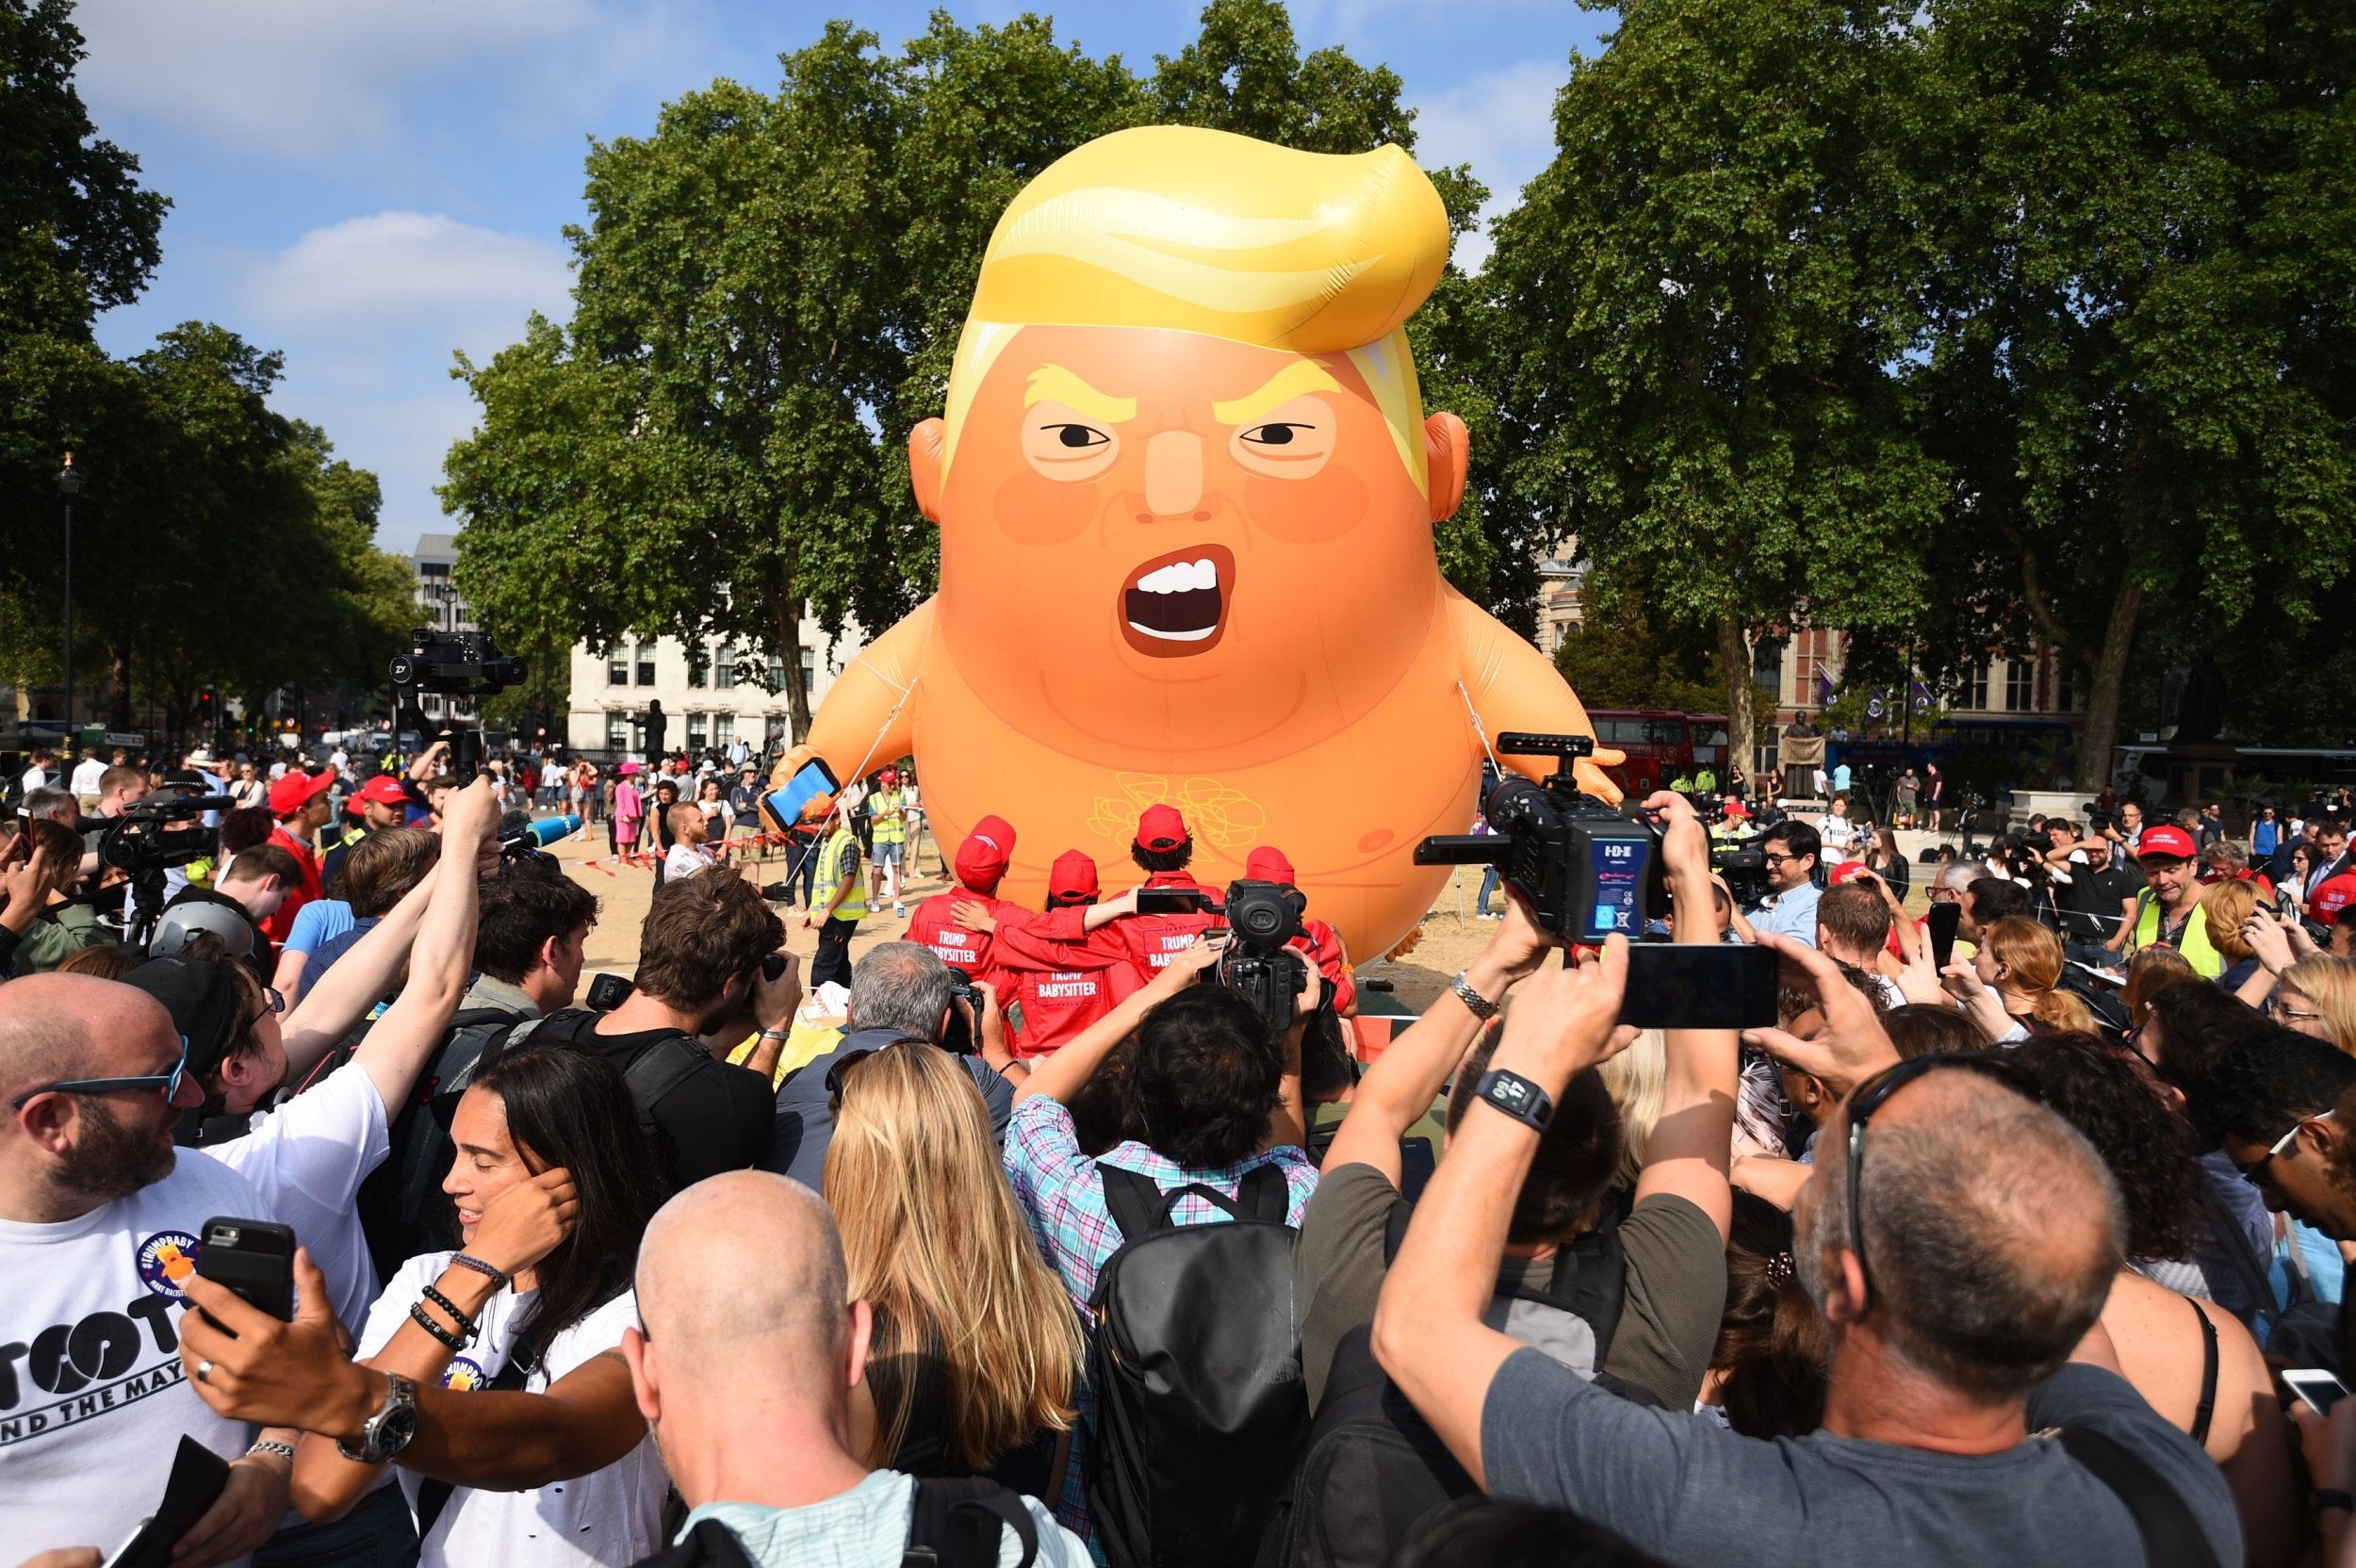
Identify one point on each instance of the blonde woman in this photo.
(2008, 987)
(2317, 996)
(975, 1350)
(2226, 907)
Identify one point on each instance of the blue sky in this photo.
(369, 185)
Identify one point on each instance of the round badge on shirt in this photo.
(165, 1258)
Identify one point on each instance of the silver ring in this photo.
(204, 1372)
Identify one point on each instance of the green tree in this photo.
(2141, 367)
(1708, 290)
(1620, 657)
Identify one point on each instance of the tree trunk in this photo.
(122, 690)
(2100, 733)
(787, 614)
(1734, 654)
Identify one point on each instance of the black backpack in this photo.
(401, 1207)
(651, 1074)
(953, 1524)
(1374, 1466)
(1196, 1365)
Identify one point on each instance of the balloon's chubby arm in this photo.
(1513, 686)
(870, 712)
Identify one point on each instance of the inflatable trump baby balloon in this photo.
(1185, 487)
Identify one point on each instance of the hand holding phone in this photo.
(253, 1259)
(1941, 924)
(2316, 1388)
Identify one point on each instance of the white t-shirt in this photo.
(1838, 833)
(87, 774)
(34, 779)
(611, 1516)
(307, 1159)
(684, 861)
(93, 1398)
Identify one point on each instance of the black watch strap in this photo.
(1517, 1096)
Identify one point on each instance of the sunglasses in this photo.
(2256, 1169)
(1872, 1095)
(838, 1073)
(2288, 1014)
(168, 1082)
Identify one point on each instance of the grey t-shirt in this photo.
(1695, 1492)
(1674, 1296)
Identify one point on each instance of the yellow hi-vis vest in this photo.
(2195, 945)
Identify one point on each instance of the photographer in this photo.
(1655, 1342)
(1790, 849)
(64, 926)
(899, 991)
(2097, 897)
(701, 987)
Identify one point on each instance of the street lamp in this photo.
(68, 486)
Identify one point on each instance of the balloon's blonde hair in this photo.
(1207, 231)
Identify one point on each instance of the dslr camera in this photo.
(1585, 869)
(1263, 918)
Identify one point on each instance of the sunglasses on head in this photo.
(1872, 1095)
(168, 1082)
(839, 1073)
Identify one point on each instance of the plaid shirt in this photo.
(1063, 1192)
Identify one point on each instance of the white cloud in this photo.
(409, 266)
(318, 81)
(1502, 124)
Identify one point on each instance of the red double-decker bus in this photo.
(1660, 746)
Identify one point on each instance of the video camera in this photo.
(1262, 918)
(1585, 869)
(1744, 865)
(457, 665)
(142, 840)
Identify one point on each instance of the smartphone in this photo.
(1173, 901)
(254, 1259)
(1941, 924)
(198, 1477)
(2317, 1389)
(783, 806)
(1684, 985)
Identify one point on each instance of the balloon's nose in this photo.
(1173, 473)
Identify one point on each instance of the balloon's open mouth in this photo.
(1176, 604)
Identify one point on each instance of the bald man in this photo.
(744, 1370)
(99, 1224)
(1955, 1313)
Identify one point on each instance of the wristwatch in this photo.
(1475, 1004)
(1517, 1096)
(388, 1432)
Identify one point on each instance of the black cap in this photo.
(202, 997)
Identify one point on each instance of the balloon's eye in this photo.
(1079, 436)
(1276, 434)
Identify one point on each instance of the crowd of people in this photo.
(1064, 1249)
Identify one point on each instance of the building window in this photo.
(2065, 689)
(773, 673)
(617, 666)
(1767, 665)
(1975, 689)
(617, 732)
(2020, 686)
(698, 659)
(810, 668)
(773, 730)
(724, 670)
(723, 729)
(645, 665)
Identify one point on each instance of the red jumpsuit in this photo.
(1054, 980)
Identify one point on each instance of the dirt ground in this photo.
(1451, 937)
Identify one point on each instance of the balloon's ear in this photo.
(925, 462)
(1447, 451)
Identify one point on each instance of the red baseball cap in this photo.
(384, 790)
(982, 859)
(294, 791)
(2167, 841)
(1161, 828)
(1268, 864)
(1072, 880)
(1848, 870)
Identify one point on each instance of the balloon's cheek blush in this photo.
(1032, 510)
(1306, 510)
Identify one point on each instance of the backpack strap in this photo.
(710, 1545)
(654, 1071)
(1139, 1207)
(2173, 1535)
(954, 1523)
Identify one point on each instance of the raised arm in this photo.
(440, 959)
(868, 716)
(356, 982)
(1513, 686)
(1687, 1149)
(1062, 1075)
(1429, 1333)
(1413, 1069)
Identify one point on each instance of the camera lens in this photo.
(1261, 921)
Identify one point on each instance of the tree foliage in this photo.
(771, 288)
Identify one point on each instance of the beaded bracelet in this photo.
(464, 1320)
(467, 1260)
(271, 1446)
(423, 1319)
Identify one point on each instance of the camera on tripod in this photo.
(1585, 869)
(1263, 918)
(144, 840)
